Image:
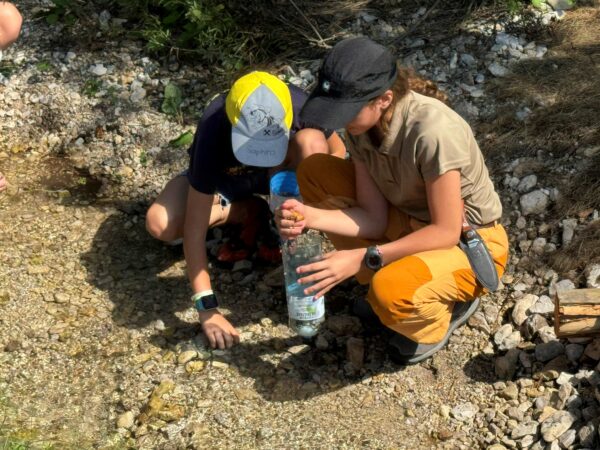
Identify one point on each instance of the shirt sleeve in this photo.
(353, 147)
(441, 146)
(204, 152)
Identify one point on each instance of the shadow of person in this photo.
(146, 283)
(302, 371)
(145, 279)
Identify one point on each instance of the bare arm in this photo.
(445, 207)
(366, 220)
(197, 217)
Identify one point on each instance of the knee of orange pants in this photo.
(394, 296)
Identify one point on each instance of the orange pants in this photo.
(414, 295)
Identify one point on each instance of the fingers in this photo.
(211, 339)
(220, 340)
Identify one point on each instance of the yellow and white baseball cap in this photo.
(259, 107)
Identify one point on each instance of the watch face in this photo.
(210, 301)
(373, 260)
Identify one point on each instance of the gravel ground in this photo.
(99, 347)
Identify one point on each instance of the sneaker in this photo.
(406, 351)
(362, 309)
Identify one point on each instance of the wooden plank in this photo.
(578, 297)
(580, 327)
(582, 310)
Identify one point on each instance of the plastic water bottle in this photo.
(306, 313)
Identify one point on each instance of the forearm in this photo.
(352, 222)
(196, 260)
(430, 237)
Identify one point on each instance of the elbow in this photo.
(451, 236)
(376, 230)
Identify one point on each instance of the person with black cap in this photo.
(394, 211)
(242, 137)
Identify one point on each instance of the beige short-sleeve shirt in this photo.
(426, 139)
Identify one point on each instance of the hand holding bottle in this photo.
(290, 219)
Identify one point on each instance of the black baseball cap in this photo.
(355, 71)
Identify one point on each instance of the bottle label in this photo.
(306, 308)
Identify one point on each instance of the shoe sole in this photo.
(452, 327)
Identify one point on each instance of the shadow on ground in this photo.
(144, 280)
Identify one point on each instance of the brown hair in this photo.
(408, 80)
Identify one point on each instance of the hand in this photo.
(334, 268)
(218, 330)
(290, 219)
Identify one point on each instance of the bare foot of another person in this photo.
(3, 182)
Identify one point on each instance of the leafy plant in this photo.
(44, 66)
(63, 11)
(183, 140)
(143, 158)
(91, 87)
(172, 100)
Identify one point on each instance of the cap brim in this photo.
(330, 113)
(257, 152)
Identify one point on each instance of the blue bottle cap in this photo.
(284, 184)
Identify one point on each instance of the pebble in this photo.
(506, 338)
(126, 420)
(98, 70)
(534, 202)
(464, 412)
(498, 70)
(555, 425)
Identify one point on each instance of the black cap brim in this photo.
(330, 113)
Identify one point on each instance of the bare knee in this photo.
(157, 224)
(310, 141)
(10, 24)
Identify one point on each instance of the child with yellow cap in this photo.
(255, 126)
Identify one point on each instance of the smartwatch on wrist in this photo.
(205, 301)
(373, 258)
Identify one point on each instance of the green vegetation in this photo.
(183, 140)
(44, 66)
(172, 100)
(91, 87)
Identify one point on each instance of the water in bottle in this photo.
(306, 312)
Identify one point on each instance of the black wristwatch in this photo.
(373, 258)
(206, 302)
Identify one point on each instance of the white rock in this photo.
(506, 338)
(524, 429)
(556, 425)
(98, 69)
(137, 95)
(527, 183)
(519, 313)
(498, 70)
(544, 305)
(569, 226)
(592, 276)
(538, 246)
(534, 202)
(562, 285)
(547, 334)
(560, 4)
(125, 420)
(464, 412)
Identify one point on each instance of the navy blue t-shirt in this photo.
(211, 154)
